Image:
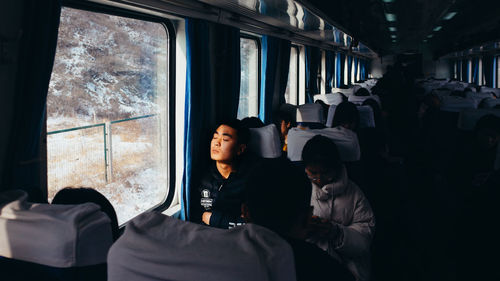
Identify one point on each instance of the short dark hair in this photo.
(242, 131)
(362, 92)
(323, 152)
(345, 113)
(277, 194)
(252, 122)
(70, 196)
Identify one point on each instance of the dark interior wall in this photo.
(11, 17)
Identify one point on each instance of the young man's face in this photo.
(224, 146)
(320, 175)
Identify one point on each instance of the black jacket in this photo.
(223, 197)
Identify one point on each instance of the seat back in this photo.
(265, 141)
(345, 139)
(62, 241)
(310, 113)
(331, 98)
(156, 247)
(468, 118)
(366, 118)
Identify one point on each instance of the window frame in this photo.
(171, 157)
(297, 49)
(257, 39)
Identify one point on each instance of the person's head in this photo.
(321, 160)
(487, 131)
(346, 115)
(285, 121)
(229, 141)
(252, 122)
(278, 197)
(377, 112)
(73, 196)
(362, 92)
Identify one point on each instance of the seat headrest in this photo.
(331, 114)
(332, 98)
(345, 139)
(310, 113)
(265, 141)
(457, 104)
(53, 235)
(157, 247)
(468, 118)
(366, 118)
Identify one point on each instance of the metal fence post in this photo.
(108, 152)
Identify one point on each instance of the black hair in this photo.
(323, 152)
(252, 122)
(277, 195)
(70, 196)
(242, 131)
(362, 92)
(346, 113)
(283, 115)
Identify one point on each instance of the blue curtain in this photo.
(488, 70)
(330, 70)
(475, 73)
(312, 64)
(275, 66)
(36, 57)
(349, 70)
(356, 61)
(340, 70)
(212, 94)
(363, 69)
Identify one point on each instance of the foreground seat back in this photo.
(58, 242)
(156, 247)
(265, 141)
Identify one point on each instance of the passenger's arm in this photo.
(355, 239)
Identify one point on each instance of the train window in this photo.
(292, 87)
(496, 70)
(107, 110)
(249, 87)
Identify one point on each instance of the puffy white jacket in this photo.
(344, 204)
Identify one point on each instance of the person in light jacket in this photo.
(343, 222)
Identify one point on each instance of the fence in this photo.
(88, 157)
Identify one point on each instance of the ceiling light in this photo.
(449, 15)
(430, 35)
(425, 41)
(437, 28)
(388, 1)
(394, 41)
(393, 36)
(390, 17)
(392, 28)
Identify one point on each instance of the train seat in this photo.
(265, 141)
(330, 98)
(345, 139)
(310, 113)
(358, 100)
(457, 104)
(490, 102)
(52, 242)
(157, 247)
(495, 91)
(366, 117)
(468, 118)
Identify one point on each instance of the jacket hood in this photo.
(333, 189)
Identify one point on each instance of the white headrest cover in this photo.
(335, 98)
(457, 104)
(265, 141)
(156, 247)
(310, 112)
(358, 99)
(468, 118)
(53, 235)
(490, 102)
(345, 139)
(366, 118)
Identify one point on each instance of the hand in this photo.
(206, 217)
(323, 229)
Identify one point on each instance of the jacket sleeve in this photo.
(223, 220)
(357, 236)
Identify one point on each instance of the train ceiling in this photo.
(397, 26)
